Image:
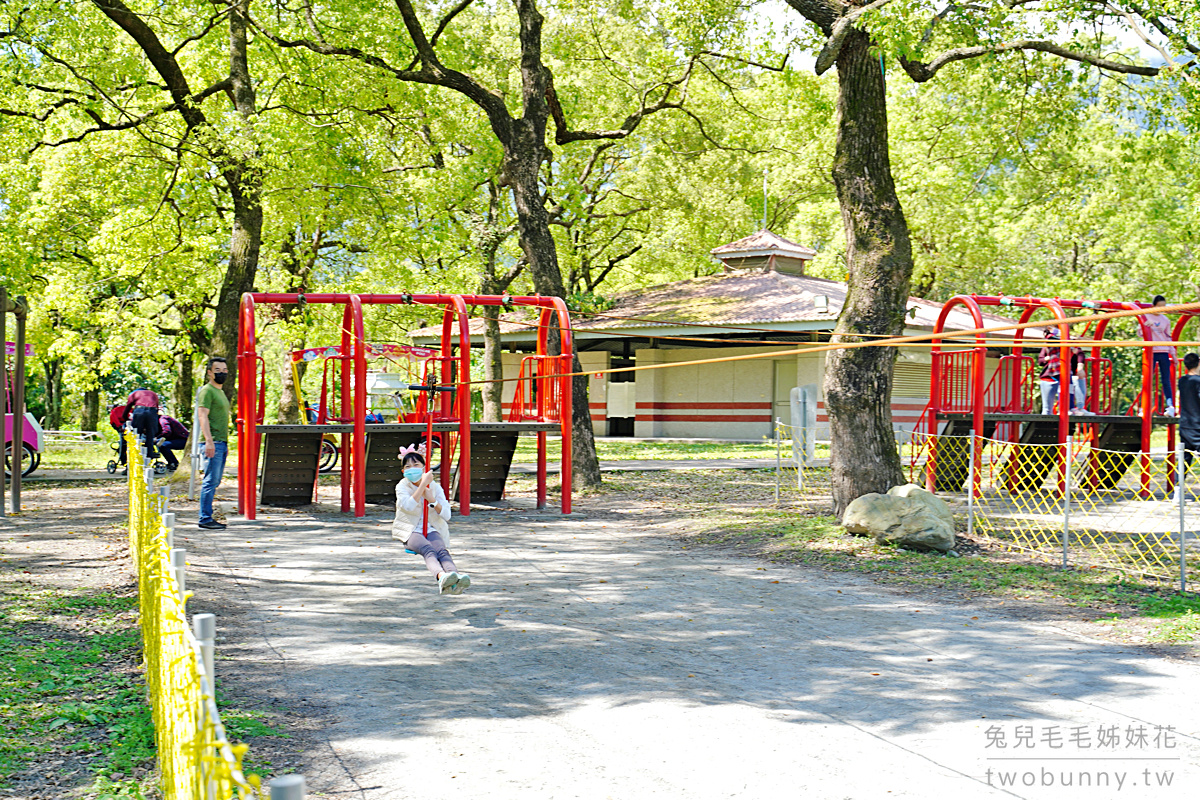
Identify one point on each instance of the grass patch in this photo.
(73, 697)
(83, 455)
(738, 512)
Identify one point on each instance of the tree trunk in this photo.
(858, 383)
(585, 464)
(184, 394)
(521, 170)
(493, 366)
(53, 418)
(289, 396)
(245, 180)
(90, 414)
(244, 244)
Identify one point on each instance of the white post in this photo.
(168, 523)
(971, 487)
(205, 628)
(288, 787)
(778, 461)
(1180, 472)
(1066, 500)
(194, 456)
(179, 567)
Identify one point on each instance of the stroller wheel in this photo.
(111, 467)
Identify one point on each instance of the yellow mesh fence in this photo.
(1082, 506)
(195, 758)
(802, 474)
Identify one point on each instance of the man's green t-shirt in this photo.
(218, 411)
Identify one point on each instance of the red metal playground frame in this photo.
(251, 390)
(957, 384)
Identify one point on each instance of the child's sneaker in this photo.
(1170, 411)
(447, 582)
(464, 582)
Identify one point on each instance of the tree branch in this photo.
(132, 122)
(833, 46)
(564, 135)
(922, 71)
(432, 71)
(164, 62)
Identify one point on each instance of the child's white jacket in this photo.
(408, 512)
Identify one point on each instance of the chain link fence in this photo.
(1072, 504)
(196, 761)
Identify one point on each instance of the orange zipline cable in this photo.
(924, 339)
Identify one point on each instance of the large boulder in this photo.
(907, 516)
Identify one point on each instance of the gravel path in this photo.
(596, 657)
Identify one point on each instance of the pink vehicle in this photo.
(32, 441)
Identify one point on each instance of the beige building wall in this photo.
(723, 400)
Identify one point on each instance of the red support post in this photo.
(247, 429)
(352, 324)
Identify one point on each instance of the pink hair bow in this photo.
(418, 449)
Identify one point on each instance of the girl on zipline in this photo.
(422, 517)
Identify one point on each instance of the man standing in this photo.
(212, 416)
(173, 437)
(141, 409)
(1189, 409)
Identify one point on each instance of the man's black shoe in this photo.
(213, 526)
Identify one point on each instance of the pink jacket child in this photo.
(1158, 329)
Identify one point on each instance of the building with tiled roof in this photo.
(761, 302)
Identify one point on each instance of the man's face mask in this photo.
(220, 377)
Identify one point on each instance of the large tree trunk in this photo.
(493, 366)
(53, 418)
(184, 394)
(858, 382)
(522, 164)
(289, 396)
(90, 414)
(245, 182)
(585, 464)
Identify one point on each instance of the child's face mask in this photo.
(414, 474)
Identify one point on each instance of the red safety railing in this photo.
(539, 389)
(1100, 382)
(957, 390)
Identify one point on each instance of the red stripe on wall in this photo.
(703, 418)
(721, 406)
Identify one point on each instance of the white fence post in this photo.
(1180, 472)
(778, 460)
(168, 523)
(1066, 500)
(288, 787)
(971, 487)
(194, 450)
(179, 567)
(205, 628)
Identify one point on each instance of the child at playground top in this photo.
(1048, 357)
(412, 493)
(1159, 328)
